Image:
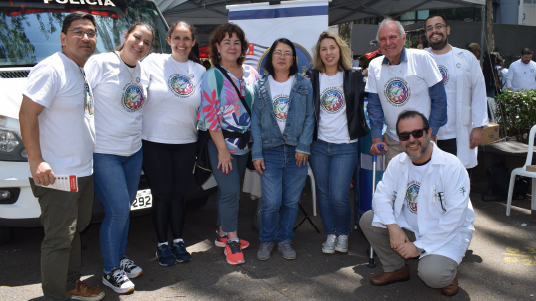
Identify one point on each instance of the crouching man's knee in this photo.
(437, 271)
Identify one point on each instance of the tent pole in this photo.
(482, 33)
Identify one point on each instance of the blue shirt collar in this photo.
(403, 58)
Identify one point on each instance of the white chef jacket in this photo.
(446, 223)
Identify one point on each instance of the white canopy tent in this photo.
(203, 12)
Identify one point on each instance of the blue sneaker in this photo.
(164, 256)
(180, 253)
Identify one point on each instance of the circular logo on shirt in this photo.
(181, 85)
(444, 73)
(531, 70)
(397, 91)
(133, 98)
(411, 197)
(281, 104)
(458, 65)
(332, 100)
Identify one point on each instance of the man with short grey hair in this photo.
(403, 79)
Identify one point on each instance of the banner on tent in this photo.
(299, 21)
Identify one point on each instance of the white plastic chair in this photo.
(522, 171)
(313, 187)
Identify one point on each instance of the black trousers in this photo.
(168, 168)
(448, 146)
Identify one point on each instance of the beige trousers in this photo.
(435, 270)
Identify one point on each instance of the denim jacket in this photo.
(300, 117)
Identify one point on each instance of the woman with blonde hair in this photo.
(338, 94)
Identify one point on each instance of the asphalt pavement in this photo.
(499, 265)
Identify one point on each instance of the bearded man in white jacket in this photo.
(466, 94)
(421, 208)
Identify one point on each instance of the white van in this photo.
(30, 32)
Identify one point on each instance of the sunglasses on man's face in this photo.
(404, 136)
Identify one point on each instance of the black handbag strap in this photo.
(224, 72)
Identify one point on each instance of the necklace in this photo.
(133, 72)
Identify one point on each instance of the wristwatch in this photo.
(421, 250)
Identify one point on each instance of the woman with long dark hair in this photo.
(282, 128)
(170, 136)
(119, 86)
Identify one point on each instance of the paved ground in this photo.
(499, 265)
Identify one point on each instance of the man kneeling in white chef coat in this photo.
(421, 208)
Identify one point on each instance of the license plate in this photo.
(144, 199)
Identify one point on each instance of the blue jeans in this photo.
(282, 184)
(116, 182)
(228, 197)
(333, 166)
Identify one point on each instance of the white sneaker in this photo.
(328, 247)
(131, 269)
(118, 281)
(342, 244)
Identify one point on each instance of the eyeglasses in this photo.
(438, 26)
(404, 136)
(81, 34)
(278, 53)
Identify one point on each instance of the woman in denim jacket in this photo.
(338, 94)
(282, 128)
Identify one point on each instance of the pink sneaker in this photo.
(222, 241)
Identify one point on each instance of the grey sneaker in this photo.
(286, 249)
(264, 250)
(342, 244)
(329, 246)
(130, 268)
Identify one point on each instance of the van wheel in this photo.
(196, 203)
(6, 234)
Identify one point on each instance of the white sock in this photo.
(163, 243)
(235, 239)
(176, 241)
(223, 234)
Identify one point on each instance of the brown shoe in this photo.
(386, 278)
(83, 291)
(452, 288)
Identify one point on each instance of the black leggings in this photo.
(168, 168)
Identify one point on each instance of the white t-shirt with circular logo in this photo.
(523, 75)
(174, 95)
(66, 129)
(333, 124)
(280, 93)
(415, 175)
(119, 93)
(403, 87)
(445, 65)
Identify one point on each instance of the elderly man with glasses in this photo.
(466, 94)
(421, 208)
